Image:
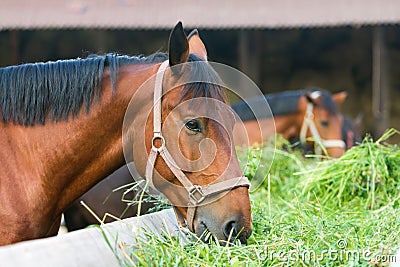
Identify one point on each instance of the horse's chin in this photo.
(206, 235)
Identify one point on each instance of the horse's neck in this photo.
(104, 153)
(68, 157)
(288, 126)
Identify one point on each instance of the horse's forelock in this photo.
(203, 81)
(328, 103)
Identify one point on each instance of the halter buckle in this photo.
(194, 192)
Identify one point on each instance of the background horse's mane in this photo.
(283, 103)
(32, 93)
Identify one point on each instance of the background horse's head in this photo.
(322, 122)
(197, 128)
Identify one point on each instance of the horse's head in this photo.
(195, 163)
(322, 122)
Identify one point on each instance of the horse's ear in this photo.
(340, 97)
(178, 46)
(196, 45)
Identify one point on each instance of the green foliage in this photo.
(336, 212)
(282, 159)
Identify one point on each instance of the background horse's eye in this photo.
(324, 123)
(193, 125)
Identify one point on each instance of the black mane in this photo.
(32, 93)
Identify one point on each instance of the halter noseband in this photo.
(308, 122)
(196, 193)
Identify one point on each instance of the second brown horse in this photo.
(309, 115)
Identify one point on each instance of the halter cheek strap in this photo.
(196, 193)
(308, 123)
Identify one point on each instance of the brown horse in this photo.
(309, 115)
(61, 134)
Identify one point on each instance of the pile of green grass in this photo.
(307, 212)
(369, 172)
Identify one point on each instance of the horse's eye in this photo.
(193, 125)
(324, 123)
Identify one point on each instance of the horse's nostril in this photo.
(230, 229)
(233, 229)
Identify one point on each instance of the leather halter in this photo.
(308, 122)
(196, 193)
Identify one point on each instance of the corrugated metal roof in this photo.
(153, 14)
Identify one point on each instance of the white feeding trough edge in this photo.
(88, 247)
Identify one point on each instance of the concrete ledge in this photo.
(87, 247)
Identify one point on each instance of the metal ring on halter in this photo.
(161, 147)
